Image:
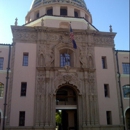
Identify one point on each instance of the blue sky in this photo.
(104, 14)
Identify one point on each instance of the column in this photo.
(46, 109)
(87, 103)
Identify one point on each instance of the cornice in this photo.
(56, 35)
(73, 69)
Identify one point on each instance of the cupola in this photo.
(56, 12)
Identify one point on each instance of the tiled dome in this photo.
(80, 3)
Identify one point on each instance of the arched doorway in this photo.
(127, 117)
(66, 108)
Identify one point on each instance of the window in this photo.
(126, 91)
(86, 17)
(106, 90)
(63, 11)
(108, 117)
(36, 14)
(1, 63)
(21, 118)
(1, 89)
(64, 59)
(25, 59)
(23, 88)
(76, 13)
(104, 63)
(50, 11)
(126, 68)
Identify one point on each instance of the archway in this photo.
(66, 108)
(127, 117)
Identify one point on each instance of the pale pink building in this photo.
(58, 82)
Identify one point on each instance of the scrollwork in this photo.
(67, 79)
(103, 41)
(45, 55)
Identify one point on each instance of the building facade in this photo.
(123, 73)
(62, 72)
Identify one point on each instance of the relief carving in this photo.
(53, 37)
(103, 41)
(91, 77)
(90, 57)
(90, 62)
(67, 79)
(24, 34)
(40, 82)
(83, 59)
(45, 55)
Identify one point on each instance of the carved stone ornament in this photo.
(80, 38)
(91, 78)
(45, 55)
(67, 78)
(83, 59)
(67, 68)
(103, 41)
(70, 79)
(40, 76)
(24, 34)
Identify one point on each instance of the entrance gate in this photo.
(66, 109)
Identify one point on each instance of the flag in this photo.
(72, 38)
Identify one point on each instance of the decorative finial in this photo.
(110, 28)
(16, 22)
(42, 22)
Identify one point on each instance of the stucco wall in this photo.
(124, 57)
(106, 76)
(23, 74)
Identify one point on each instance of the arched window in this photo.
(127, 115)
(126, 91)
(1, 89)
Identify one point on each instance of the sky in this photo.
(104, 13)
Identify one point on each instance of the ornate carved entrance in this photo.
(66, 108)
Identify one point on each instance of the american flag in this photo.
(72, 38)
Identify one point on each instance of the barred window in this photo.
(22, 118)
(106, 90)
(126, 68)
(76, 13)
(49, 11)
(25, 59)
(1, 89)
(104, 62)
(126, 91)
(64, 59)
(109, 117)
(63, 11)
(1, 63)
(23, 88)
